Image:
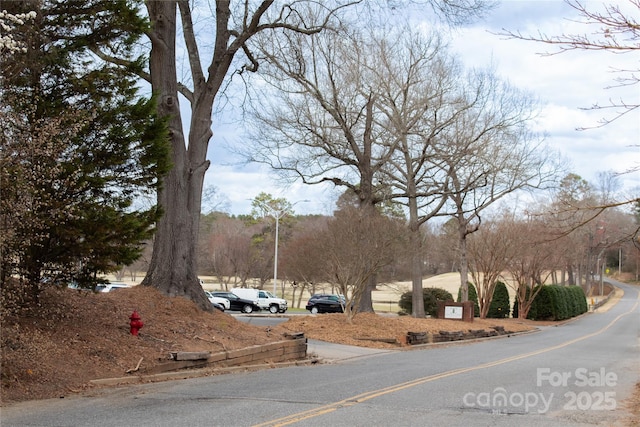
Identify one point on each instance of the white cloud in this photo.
(567, 84)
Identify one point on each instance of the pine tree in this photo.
(80, 146)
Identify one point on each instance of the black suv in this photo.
(236, 303)
(326, 303)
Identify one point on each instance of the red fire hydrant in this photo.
(135, 323)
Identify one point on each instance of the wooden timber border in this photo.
(276, 352)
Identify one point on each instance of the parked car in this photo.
(236, 303)
(74, 285)
(266, 300)
(110, 287)
(218, 300)
(326, 303)
(218, 306)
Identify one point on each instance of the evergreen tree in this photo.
(500, 306)
(79, 145)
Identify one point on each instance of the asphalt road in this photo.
(577, 374)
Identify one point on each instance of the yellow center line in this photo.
(363, 397)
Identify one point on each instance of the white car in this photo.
(110, 287)
(265, 300)
(218, 300)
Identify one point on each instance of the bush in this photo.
(473, 296)
(500, 306)
(550, 304)
(542, 305)
(430, 296)
(581, 299)
(555, 302)
(564, 303)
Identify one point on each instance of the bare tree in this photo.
(453, 139)
(576, 217)
(416, 85)
(568, 217)
(319, 124)
(300, 255)
(352, 253)
(227, 252)
(327, 125)
(489, 153)
(607, 185)
(173, 267)
(490, 249)
(534, 257)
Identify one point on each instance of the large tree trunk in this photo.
(365, 304)
(464, 262)
(173, 267)
(365, 300)
(415, 243)
(367, 202)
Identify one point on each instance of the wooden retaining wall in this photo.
(280, 351)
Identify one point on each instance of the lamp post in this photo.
(277, 214)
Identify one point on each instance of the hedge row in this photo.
(555, 302)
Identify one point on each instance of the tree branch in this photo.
(191, 43)
(121, 62)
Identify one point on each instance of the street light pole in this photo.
(277, 214)
(275, 255)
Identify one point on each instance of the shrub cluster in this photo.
(430, 296)
(555, 302)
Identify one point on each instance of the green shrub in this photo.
(555, 302)
(572, 303)
(500, 305)
(542, 306)
(580, 299)
(559, 306)
(430, 296)
(473, 296)
(565, 301)
(584, 306)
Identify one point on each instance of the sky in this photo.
(566, 85)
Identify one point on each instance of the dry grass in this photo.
(335, 328)
(70, 337)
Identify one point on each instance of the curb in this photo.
(196, 373)
(467, 341)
